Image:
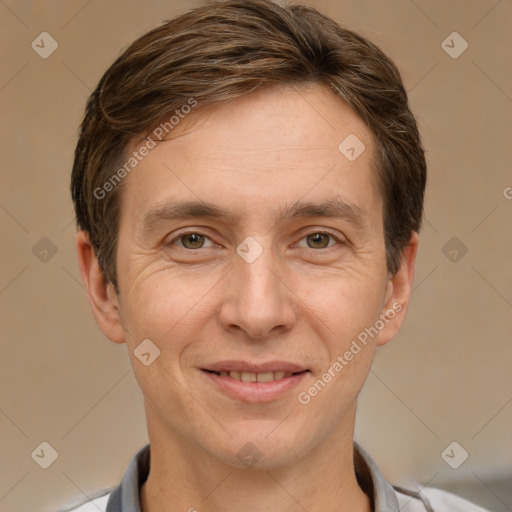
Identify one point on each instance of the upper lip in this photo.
(244, 366)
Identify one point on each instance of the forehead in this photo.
(276, 145)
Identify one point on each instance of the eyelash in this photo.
(195, 232)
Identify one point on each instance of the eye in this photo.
(319, 240)
(191, 240)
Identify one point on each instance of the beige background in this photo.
(445, 378)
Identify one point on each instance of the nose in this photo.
(256, 298)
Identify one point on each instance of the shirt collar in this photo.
(126, 497)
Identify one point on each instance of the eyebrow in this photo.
(336, 208)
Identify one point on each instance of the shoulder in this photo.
(94, 505)
(440, 501)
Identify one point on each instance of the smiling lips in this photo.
(255, 377)
(255, 382)
(255, 372)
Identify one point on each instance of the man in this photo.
(248, 185)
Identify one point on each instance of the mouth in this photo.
(252, 383)
(255, 377)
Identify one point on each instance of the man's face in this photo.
(293, 296)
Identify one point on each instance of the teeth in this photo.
(248, 377)
(256, 377)
(265, 377)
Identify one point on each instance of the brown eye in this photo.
(190, 240)
(318, 240)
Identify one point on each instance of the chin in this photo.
(261, 448)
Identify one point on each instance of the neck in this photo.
(183, 477)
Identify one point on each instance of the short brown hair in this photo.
(221, 51)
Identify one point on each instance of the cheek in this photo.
(161, 307)
(351, 347)
(348, 310)
(345, 307)
(167, 311)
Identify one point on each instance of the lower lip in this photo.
(255, 391)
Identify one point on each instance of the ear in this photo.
(398, 292)
(102, 296)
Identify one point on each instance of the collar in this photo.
(126, 498)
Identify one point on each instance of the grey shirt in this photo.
(125, 497)
(384, 498)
